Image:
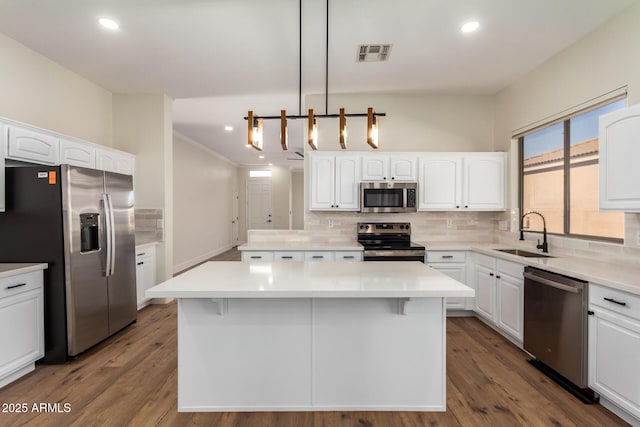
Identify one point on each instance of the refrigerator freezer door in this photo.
(86, 284)
(122, 280)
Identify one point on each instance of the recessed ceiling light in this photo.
(470, 27)
(228, 128)
(270, 164)
(109, 23)
(261, 157)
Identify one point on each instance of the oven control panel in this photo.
(384, 227)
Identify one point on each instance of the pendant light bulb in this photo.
(254, 131)
(372, 128)
(313, 131)
(343, 130)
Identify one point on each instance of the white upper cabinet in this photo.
(77, 154)
(334, 182)
(115, 161)
(484, 181)
(3, 135)
(31, 146)
(392, 167)
(619, 156)
(440, 182)
(464, 181)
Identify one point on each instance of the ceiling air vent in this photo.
(373, 52)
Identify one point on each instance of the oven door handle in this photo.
(551, 283)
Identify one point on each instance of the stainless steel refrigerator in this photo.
(81, 222)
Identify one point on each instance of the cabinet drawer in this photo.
(446, 256)
(615, 300)
(487, 261)
(319, 256)
(289, 256)
(257, 256)
(20, 283)
(349, 256)
(512, 268)
(145, 253)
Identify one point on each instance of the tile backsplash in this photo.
(149, 225)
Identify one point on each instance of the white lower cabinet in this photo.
(453, 264)
(614, 347)
(21, 324)
(145, 272)
(301, 256)
(499, 298)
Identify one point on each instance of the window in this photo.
(560, 177)
(259, 174)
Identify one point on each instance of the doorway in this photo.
(259, 204)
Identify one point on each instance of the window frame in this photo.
(566, 208)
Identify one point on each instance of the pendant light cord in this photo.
(326, 68)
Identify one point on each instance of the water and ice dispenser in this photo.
(89, 232)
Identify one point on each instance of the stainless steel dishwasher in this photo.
(555, 328)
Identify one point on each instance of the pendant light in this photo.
(372, 128)
(255, 134)
(284, 134)
(313, 131)
(343, 130)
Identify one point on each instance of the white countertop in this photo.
(12, 269)
(301, 246)
(618, 276)
(379, 279)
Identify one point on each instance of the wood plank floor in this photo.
(131, 379)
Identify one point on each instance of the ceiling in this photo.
(220, 58)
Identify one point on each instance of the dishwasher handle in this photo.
(551, 283)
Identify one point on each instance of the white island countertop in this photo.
(232, 279)
(301, 246)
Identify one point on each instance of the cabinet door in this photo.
(322, 182)
(254, 256)
(456, 272)
(30, 146)
(3, 136)
(440, 182)
(347, 183)
(348, 256)
(403, 168)
(614, 355)
(288, 256)
(619, 153)
(485, 291)
(510, 304)
(77, 154)
(319, 256)
(115, 161)
(140, 283)
(375, 168)
(22, 330)
(484, 182)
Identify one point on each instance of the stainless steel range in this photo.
(388, 241)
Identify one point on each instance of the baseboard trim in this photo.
(199, 259)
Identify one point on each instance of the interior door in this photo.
(86, 284)
(259, 204)
(234, 220)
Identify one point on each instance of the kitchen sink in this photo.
(523, 253)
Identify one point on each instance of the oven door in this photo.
(394, 255)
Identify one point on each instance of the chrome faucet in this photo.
(544, 246)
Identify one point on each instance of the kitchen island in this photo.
(291, 336)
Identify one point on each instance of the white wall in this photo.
(142, 125)
(412, 122)
(599, 63)
(203, 185)
(38, 91)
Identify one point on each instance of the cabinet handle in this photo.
(447, 256)
(348, 257)
(141, 253)
(457, 206)
(384, 177)
(286, 257)
(140, 263)
(317, 256)
(466, 206)
(255, 257)
(497, 277)
(337, 206)
(16, 286)
(615, 302)
(393, 177)
(491, 274)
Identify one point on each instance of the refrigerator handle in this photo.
(112, 241)
(107, 224)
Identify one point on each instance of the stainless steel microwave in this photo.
(388, 197)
